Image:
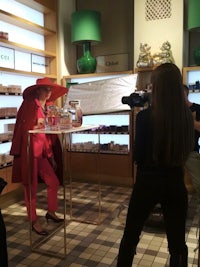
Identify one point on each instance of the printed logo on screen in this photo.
(157, 9)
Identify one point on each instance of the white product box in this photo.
(110, 63)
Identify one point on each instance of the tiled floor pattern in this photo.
(90, 245)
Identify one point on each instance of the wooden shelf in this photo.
(24, 48)
(13, 94)
(25, 24)
(99, 74)
(7, 117)
(26, 73)
(37, 5)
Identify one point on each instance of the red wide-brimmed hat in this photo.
(56, 89)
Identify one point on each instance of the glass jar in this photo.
(52, 117)
(76, 112)
(65, 119)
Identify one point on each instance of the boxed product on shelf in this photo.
(9, 158)
(12, 111)
(2, 112)
(2, 159)
(7, 136)
(86, 146)
(17, 89)
(5, 159)
(9, 127)
(4, 35)
(8, 111)
(3, 137)
(3, 89)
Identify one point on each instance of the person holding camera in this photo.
(163, 140)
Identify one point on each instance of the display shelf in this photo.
(113, 139)
(25, 24)
(48, 31)
(11, 94)
(24, 48)
(5, 141)
(82, 78)
(34, 74)
(5, 165)
(7, 117)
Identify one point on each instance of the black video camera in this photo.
(138, 99)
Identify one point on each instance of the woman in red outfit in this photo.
(44, 150)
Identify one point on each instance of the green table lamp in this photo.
(194, 25)
(86, 30)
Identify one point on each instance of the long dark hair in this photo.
(173, 126)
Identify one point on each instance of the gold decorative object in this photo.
(165, 56)
(145, 59)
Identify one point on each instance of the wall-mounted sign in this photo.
(7, 57)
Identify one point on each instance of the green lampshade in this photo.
(86, 29)
(86, 26)
(193, 15)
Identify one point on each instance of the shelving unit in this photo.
(113, 149)
(50, 36)
(40, 60)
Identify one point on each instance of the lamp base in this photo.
(87, 63)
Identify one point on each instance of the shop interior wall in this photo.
(117, 30)
(124, 27)
(156, 31)
(66, 51)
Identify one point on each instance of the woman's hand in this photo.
(40, 124)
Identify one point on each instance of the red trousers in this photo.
(43, 168)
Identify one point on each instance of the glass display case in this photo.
(108, 138)
(111, 143)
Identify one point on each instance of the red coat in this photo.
(26, 120)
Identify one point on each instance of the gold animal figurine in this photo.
(145, 59)
(165, 56)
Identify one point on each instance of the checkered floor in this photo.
(89, 244)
